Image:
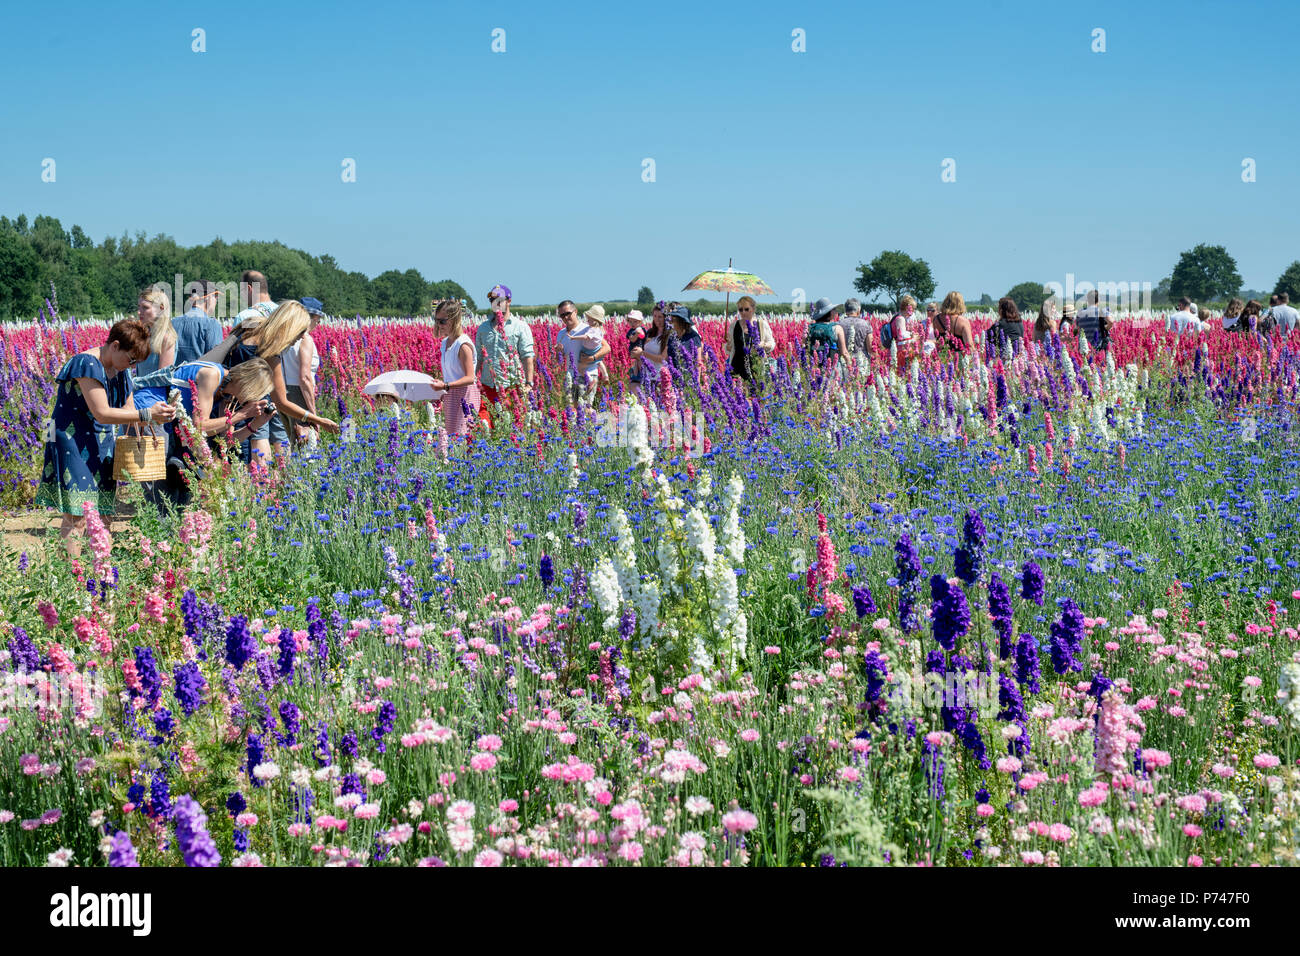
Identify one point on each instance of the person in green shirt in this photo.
(505, 350)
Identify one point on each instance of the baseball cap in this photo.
(313, 306)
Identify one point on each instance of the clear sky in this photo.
(525, 167)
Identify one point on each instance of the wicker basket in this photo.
(140, 459)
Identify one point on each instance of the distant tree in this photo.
(1160, 294)
(985, 301)
(1289, 282)
(19, 277)
(644, 296)
(1027, 295)
(1205, 273)
(80, 240)
(896, 274)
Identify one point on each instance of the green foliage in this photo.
(103, 279)
(1027, 295)
(896, 274)
(1204, 273)
(1289, 282)
(645, 297)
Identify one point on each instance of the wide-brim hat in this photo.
(683, 313)
(822, 308)
(595, 314)
(1068, 309)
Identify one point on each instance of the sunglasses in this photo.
(565, 315)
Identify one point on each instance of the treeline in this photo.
(103, 279)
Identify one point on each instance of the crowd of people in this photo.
(259, 381)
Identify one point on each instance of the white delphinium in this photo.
(700, 656)
(666, 555)
(574, 473)
(647, 610)
(733, 536)
(703, 485)
(701, 540)
(605, 589)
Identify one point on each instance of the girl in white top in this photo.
(459, 370)
(300, 362)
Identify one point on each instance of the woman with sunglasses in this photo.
(92, 396)
(739, 344)
(459, 369)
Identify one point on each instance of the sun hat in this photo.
(635, 314)
(683, 313)
(1068, 309)
(385, 389)
(595, 314)
(823, 307)
(313, 306)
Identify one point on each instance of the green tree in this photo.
(985, 301)
(1205, 273)
(1027, 295)
(19, 276)
(645, 297)
(1289, 282)
(897, 274)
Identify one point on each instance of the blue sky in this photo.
(525, 167)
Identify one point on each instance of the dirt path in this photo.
(30, 530)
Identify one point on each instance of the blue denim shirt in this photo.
(196, 333)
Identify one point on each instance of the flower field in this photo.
(1030, 610)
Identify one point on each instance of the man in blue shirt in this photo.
(196, 331)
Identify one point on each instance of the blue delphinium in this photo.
(120, 851)
(147, 668)
(862, 601)
(969, 558)
(288, 651)
(546, 570)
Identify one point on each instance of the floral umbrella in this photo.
(729, 280)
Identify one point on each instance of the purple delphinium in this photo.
(969, 558)
(240, 646)
(877, 674)
(1009, 700)
(862, 601)
(288, 651)
(949, 612)
(1002, 613)
(546, 570)
(23, 653)
(256, 755)
(1027, 665)
(292, 721)
(627, 624)
(147, 668)
(908, 565)
(120, 851)
(384, 724)
(190, 685)
(197, 848)
(1032, 583)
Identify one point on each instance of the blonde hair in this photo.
(162, 334)
(903, 303)
(1234, 309)
(283, 327)
(953, 304)
(746, 298)
(455, 317)
(248, 381)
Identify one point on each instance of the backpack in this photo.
(822, 333)
(887, 334)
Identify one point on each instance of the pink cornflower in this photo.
(489, 858)
(749, 735)
(1030, 857)
(488, 742)
(366, 811)
(1060, 833)
(1192, 830)
(631, 851)
(246, 820)
(461, 811)
(739, 821)
(1266, 761)
(771, 649)
(850, 774)
(508, 806)
(1194, 860)
(1156, 758)
(1008, 765)
(482, 761)
(985, 810)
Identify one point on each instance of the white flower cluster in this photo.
(642, 596)
(1288, 692)
(605, 589)
(733, 536)
(575, 475)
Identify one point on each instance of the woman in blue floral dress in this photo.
(93, 394)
